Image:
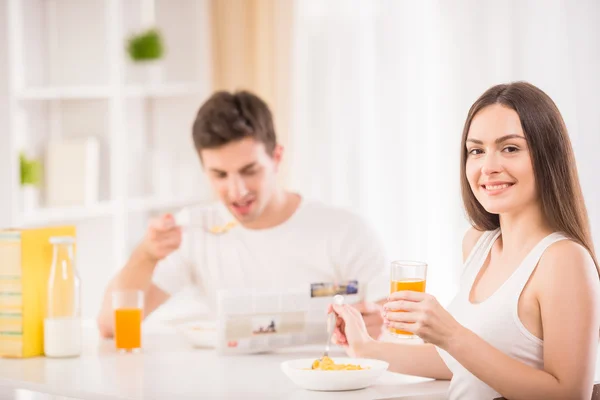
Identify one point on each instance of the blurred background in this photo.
(97, 98)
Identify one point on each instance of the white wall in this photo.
(382, 89)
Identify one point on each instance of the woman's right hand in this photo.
(350, 330)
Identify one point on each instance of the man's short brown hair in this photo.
(226, 117)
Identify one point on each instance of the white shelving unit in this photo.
(48, 216)
(6, 172)
(67, 75)
(65, 93)
(166, 90)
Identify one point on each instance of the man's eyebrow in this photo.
(243, 169)
(247, 167)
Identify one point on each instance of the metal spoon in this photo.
(331, 319)
(207, 224)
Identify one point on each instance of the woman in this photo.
(525, 322)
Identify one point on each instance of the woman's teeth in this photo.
(497, 187)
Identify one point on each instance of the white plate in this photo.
(300, 373)
(199, 333)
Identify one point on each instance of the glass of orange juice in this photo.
(407, 275)
(128, 306)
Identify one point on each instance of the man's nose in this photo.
(237, 188)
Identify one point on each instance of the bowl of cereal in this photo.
(334, 374)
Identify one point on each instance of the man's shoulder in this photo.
(349, 232)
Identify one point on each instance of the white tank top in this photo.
(495, 319)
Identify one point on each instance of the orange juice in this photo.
(416, 285)
(128, 328)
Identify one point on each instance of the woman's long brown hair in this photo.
(554, 168)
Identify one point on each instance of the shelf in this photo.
(68, 214)
(65, 93)
(105, 92)
(164, 90)
(45, 216)
(154, 204)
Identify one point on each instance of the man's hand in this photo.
(162, 238)
(372, 314)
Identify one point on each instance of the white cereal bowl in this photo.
(300, 373)
(202, 334)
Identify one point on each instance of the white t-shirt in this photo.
(318, 243)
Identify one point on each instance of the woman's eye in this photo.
(510, 149)
(475, 152)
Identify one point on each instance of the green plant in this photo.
(31, 171)
(145, 46)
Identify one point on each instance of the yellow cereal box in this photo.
(25, 261)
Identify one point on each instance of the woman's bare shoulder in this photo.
(469, 240)
(567, 261)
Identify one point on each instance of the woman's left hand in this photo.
(421, 314)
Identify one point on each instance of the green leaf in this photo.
(31, 171)
(145, 46)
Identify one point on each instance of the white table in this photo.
(168, 368)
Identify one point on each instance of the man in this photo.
(260, 235)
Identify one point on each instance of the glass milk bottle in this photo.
(62, 325)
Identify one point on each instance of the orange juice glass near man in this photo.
(128, 307)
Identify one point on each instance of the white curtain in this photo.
(380, 91)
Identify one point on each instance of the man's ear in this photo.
(277, 155)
